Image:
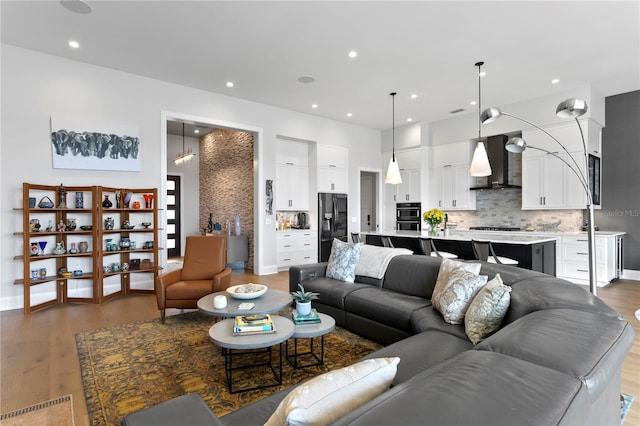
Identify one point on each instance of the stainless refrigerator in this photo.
(332, 214)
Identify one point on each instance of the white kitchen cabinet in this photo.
(449, 179)
(573, 258)
(547, 182)
(296, 247)
(332, 169)
(449, 188)
(292, 187)
(409, 189)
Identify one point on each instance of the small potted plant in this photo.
(303, 300)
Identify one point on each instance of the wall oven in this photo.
(408, 216)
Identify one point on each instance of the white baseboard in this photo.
(630, 274)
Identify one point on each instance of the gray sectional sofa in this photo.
(556, 358)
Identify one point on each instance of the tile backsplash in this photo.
(503, 207)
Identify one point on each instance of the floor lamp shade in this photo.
(480, 163)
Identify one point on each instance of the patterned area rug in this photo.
(625, 404)
(138, 365)
(57, 411)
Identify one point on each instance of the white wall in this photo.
(36, 85)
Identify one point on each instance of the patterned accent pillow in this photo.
(447, 267)
(456, 297)
(343, 260)
(330, 396)
(487, 310)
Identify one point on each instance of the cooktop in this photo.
(494, 228)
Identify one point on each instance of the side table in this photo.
(221, 334)
(310, 331)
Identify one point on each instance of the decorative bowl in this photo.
(127, 226)
(86, 227)
(146, 224)
(247, 291)
(67, 274)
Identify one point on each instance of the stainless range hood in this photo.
(506, 167)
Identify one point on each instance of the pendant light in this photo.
(185, 155)
(480, 163)
(393, 172)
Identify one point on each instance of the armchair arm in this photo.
(298, 274)
(162, 282)
(222, 280)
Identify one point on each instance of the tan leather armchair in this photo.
(203, 272)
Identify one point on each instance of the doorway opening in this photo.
(369, 188)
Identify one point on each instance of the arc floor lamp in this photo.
(569, 108)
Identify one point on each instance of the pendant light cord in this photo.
(393, 125)
(479, 65)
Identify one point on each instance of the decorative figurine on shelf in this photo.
(73, 249)
(118, 199)
(79, 200)
(83, 246)
(107, 202)
(34, 225)
(59, 248)
(238, 225)
(109, 223)
(127, 199)
(62, 197)
(61, 226)
(136, 205)
(50, 226)
(210, 225)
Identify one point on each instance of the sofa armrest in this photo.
(297, 274)
(189, 409)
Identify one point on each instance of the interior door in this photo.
(367, 197)
(174, 248)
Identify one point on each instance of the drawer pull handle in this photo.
(287, 259)
(582, 253)
(287, 245)
(583, 241)
(582, 270)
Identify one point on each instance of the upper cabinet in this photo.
(549, 183)
(333, 164)
(449, 179)
(292, 175)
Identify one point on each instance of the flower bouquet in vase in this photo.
(433, 218)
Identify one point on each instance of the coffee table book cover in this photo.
(253, 324)
(312, 318)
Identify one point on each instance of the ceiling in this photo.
(427, 48)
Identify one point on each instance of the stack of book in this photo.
(253, 324)
(312, 318)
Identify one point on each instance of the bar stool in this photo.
(483, 250)
(355, 237)
(386, 241)
(428, 248)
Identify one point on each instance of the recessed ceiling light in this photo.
(353, 54)
(306, 79)
(230, 84)
(349, 114)
(409, 119)
(413, 96)
(555, 81)
(74, 44)
(77, 6)
(473, 103)
(314, 106)
(196, 131)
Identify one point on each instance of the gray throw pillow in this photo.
(487, 310)
(457, 295)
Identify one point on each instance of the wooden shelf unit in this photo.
(97, 257)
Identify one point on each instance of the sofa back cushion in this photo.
(412, 274)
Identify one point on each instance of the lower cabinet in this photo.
(573, 259)
(296, 247)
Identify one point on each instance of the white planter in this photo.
(303, 308)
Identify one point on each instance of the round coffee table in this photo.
(221, 334)
(271, 301)
(309, 331)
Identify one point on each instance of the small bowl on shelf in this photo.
(127, 226)
(67, 274)
(146, 225)
(86, 227)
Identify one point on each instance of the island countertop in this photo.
(455, 235)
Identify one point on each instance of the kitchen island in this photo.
(534, 252)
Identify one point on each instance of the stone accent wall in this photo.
(226, 181)
(502, 207)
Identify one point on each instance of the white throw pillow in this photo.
(330, 396)
(447, 267)
(460, 290)
(343, 260)
(487, 310)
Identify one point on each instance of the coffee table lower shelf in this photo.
(221, 334)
